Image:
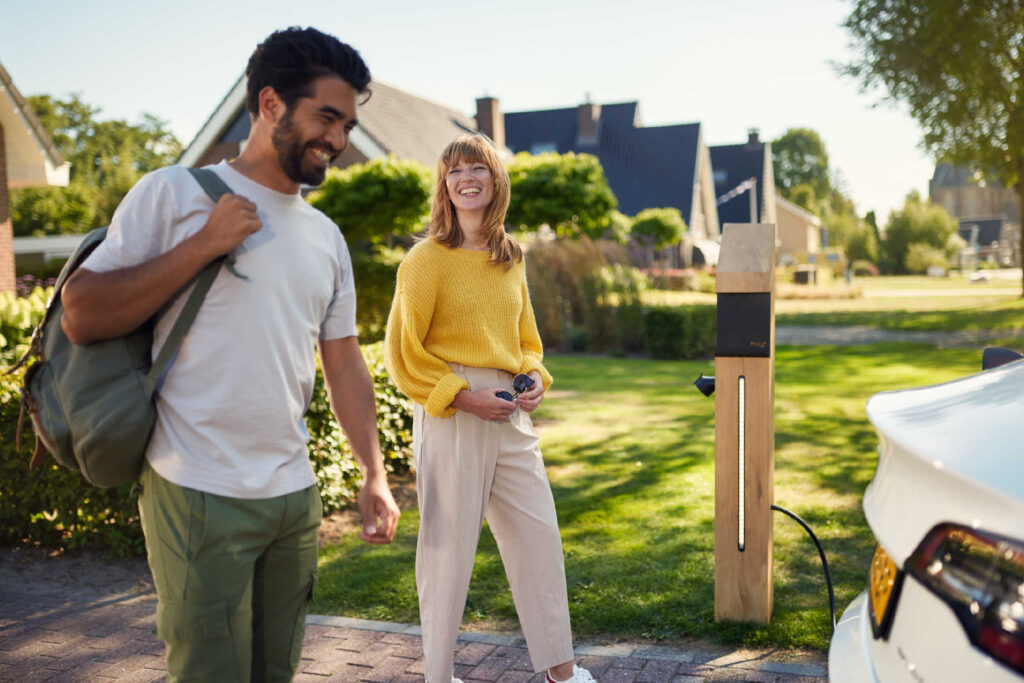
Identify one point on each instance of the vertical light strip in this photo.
(742, 454)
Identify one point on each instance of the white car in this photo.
(945, 600)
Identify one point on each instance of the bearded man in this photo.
(229, 503)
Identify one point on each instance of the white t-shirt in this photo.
(232, 404)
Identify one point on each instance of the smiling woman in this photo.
(461, 339)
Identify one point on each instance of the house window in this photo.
(543, 147)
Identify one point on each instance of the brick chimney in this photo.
(588, 119)
(490, 121)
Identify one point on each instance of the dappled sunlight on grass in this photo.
(629, 446)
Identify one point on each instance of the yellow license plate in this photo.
(883, 591)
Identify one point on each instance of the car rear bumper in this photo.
(849, 660)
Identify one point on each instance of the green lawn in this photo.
(629, 446)
(893, 303)
(922, 313)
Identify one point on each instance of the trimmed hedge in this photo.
(680, 332)
(54, 506)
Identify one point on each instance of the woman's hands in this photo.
(485, 403)
(531, 398)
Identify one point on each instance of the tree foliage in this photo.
(567, 192)
(958, 65)
(107, 159)
(375, 204)
(658, 228)
(919, 222)
(801, 167)
(377, 201)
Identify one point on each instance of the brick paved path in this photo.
(89, 619)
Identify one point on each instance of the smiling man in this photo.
(228, 500)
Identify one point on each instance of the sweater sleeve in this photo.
(423, 377)
(529, 340)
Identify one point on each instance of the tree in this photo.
(107, 159)
(959, 67)
(801, 166)
(658, 228)
(567, 192)
(919, 222)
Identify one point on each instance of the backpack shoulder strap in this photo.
(215, 188)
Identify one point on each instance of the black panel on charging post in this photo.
(744, 324)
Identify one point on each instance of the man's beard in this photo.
(291, 154)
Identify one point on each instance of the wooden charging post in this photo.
(745, 423)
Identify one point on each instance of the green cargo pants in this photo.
(233, 577)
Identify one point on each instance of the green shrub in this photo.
(375, 274)
(54, 506)
(680, 331)
(921, 256)
(336, 470)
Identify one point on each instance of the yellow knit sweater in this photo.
(454, 306)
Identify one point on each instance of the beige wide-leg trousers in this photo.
(468, 469)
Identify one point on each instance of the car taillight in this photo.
(981, 576)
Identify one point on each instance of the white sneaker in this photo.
(579, 675)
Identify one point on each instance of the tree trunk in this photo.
(1020, 220)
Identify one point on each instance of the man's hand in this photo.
(379, 511)
(485, 404)
(531, 398)
(232, 220)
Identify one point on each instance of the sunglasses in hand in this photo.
(520, 383)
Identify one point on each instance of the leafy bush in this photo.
(54, 506)
(375, 204)
(336, 470)
(658, 228)
(568, 192)
(680, 332)
(375, 275)
(920, 256)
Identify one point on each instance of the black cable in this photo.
(824, 562)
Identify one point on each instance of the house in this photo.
(993, 240)
(28, 158)
(745, 181)
(976, 202)
(391, 122)
(799, 231)
(646, 167)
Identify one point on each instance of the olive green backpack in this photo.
(93, 406)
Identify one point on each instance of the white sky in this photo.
(732, 65)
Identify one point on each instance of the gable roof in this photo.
(645, 167)
(734, 164)
(391, 122)
(32, 159)
(797, 210)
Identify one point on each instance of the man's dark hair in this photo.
(290, 60)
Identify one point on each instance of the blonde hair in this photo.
(444, 224)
